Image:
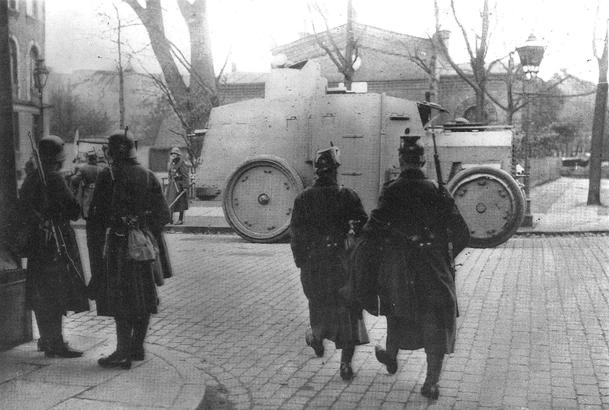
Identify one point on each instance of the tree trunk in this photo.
(348, 71)
(193, 102)
(203, 81)
(480, 102)
(121, 78)
(598, 132)
(598, 127)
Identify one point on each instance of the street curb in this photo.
(562, 233)
(199, 229)
(211, 230)
(224, 230)
(192, 392)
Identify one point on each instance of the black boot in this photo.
(140, 328)
(121, 357)
(346, 372)
(382, 356)
(59, 348)
(430, 388)
(46, 322)
(42, 345)
(51, 340)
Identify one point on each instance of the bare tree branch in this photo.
(465, 37)
(221, 73)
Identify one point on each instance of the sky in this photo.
(80, 32)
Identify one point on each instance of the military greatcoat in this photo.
(85, 178)
(409, 265)
(319, 226)
(178, 182)
(124, 288)
(52, 283)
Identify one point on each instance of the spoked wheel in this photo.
(491, 203)
(259, 197)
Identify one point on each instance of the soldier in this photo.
(126, 195)
(54, 281)
(178, 176)
(414, 227)
(319, 226)
(85, 179)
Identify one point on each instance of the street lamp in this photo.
(41, 74)
(531, 54)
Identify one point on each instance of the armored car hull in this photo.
(260, 152)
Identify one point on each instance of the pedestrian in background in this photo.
(413, 230)
(178, 181)
(322, 217)
(85, 180)
(126, 195)
(54, 281)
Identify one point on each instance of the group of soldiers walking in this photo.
(396, 262)
(400, 265)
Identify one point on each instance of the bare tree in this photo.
(344, 61)
(600, 109)
(477, 57)
(430, 65)
(481, 72)
(192, 102)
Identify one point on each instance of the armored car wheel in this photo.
(491, 203)
(259, 197)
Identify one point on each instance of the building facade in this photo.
(26, 20)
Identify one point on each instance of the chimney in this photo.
(233, 67)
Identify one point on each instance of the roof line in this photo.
(309, 37)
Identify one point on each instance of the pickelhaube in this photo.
(176, 150)
(411, 150)
(121, 145)
(51, 149)
(327, 159)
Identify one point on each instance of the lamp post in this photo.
(41, 74)
(531, 54)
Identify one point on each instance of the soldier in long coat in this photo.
(54, 281)
(178, 180)
(321, 220)
(413, 230)
(85, 180)
(125, 193)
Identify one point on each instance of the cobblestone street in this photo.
(533, 330)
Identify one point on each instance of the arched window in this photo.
(34, 55)
(14, 60)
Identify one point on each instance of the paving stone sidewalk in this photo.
(166, 379)
(533, 330)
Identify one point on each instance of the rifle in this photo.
(436, 159)
(52, 232)
(179, 196)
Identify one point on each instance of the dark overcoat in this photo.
(86, 177)
(52, 281)
(122, 287)
(408, 264)
(319, 227)
(178, 176)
